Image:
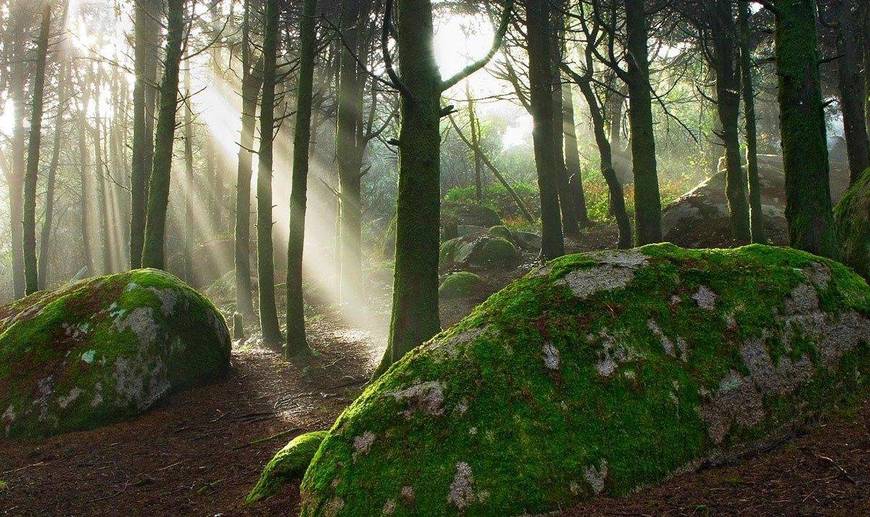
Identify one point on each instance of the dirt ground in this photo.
(200, 452)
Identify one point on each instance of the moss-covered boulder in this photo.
(477, 251)
(597, 374)
(104, 349)
(852, 216)
(287, 465)
(501, 231)
(461, 284)
(469, 214)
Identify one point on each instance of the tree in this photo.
(567, 201)
(296, 343)
(756, 215)
(802, 125)
(415, 284)
(51, 180)
(572, 155)
(265, 259)
(32, 175)
(541, 101)
(158, 192)
(146, 33)
(647, 200)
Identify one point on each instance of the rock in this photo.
(501, 231)
(852, 215)
(527, 241)
(554, 391)
(287, 465)
(468, 214)
(104, 349)
(479, 251)
(466, 230)
(700, 218)
(461, 284)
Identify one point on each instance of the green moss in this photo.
(852, 217)
(541, 397)
(3, 485)
(460, 284)
(501, 231)
(447, 252)
(105, 349)
(287, 465)
(493, 251)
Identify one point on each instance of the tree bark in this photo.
(158, 192)
(32, 175)
(648, 205)
(851, 86)
(572, 155)
(756, 215)
(146, 36)
(474, 126)
(724, 36)
(187, 252)
(296, 342)
(541, 93)
(802, 126)
(51, 179)
(265, 251)
(566, 198)
(86, 195)
(251, 82)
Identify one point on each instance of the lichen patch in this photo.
(705, 298)
(363, 443)
(461, 493)
(551, 356)
(426, 397)
(596, 476)
(588, 281)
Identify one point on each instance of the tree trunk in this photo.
(265, 251)
(349, 147)
(32, 175)
(146, 34)
(415, 316)
(51, 180)
(724, 36)
(296, 343)
(648, 205)
(86, 195)
(851, 85)
(187, 252)
(756, 215)
(100, 177)
(802, 125)
(474, 126)
(572, 155)
(15, 178)
(242, 245)
(541, 92)
(566, 197)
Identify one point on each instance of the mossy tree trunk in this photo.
(32, 175)
(51, 179)
(146, 33)
(350, 145)
(572, 155)
(539, 42)
(851, 86)
(474, 127)
(296, 343)
(756, 215)
(265, 251)
(647, 200)
(802, 125)
(415, 315)
(19, 19)
(724, 56)
(158, 192)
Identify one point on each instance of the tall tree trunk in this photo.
(572, 155)
(32, 175)
(647, 201)
(756, 215)
(296, 343)
(265, 251)
(15, 177)
(349, 147)
(242, 246)
(474, 126)
(51, 180)
(802, 125)
(724, 36)
(158, 192)
(415, 315)
(541, 92)
(851, 85)
(84, 177)
(100, 176)
(187, 252)
(566, 197)
(146, 35)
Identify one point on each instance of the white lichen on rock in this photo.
(141, 322)
(596, 476)
(363, 443)
(426, 397)
(551, 356)
(705, 298)
(461, 493)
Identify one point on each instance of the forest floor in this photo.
(202, 451)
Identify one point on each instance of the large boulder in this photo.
(700, 218)
(852, 216)
(597, 374)
(468, 214)
(104, 349)
(477, 251)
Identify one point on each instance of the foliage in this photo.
(460, 284)
(852, 217)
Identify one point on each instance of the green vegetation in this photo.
(460, 284)
(852, 217)
(287, 465)
(104, 349)
(600, 373)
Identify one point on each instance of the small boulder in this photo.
(597, 374)
(852, 215)
(527, 241)
(501, 231)
(469, 214)
(287, 465)
(477, 251)
(104, 349)
(461, 284)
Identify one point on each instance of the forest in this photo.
(434, 257)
